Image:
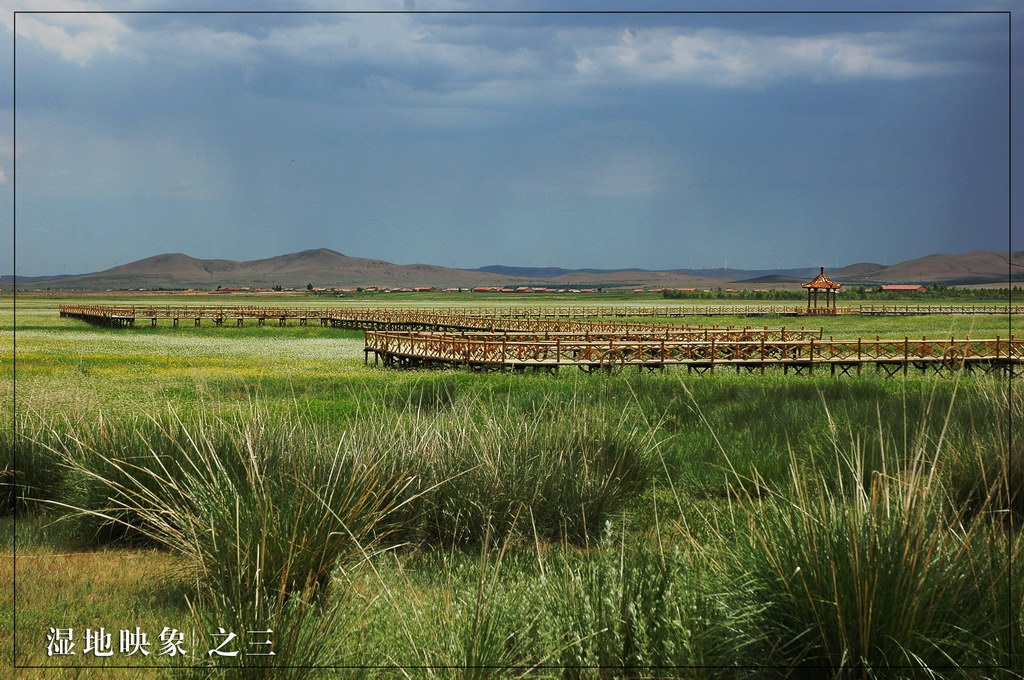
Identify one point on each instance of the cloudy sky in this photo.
(575, 140)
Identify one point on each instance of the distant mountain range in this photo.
(9, 278)
(326, 267)
(976, 266)
(803, 273)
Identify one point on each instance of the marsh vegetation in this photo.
(452, 524)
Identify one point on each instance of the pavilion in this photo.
(820, 283)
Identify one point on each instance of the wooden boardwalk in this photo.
(520, 338)
(363, 317)
(613, 353)
(391, 319)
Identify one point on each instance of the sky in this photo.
(571, 139)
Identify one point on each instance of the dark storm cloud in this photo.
(574, 140)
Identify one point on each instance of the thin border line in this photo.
(1009, 14)
(1014, 621)
(14, 349)
(515, 11)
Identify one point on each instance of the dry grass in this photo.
(111, 588)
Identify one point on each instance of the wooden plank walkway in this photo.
(390, 319)
(128, 315)
(519, 338)
(610, 353)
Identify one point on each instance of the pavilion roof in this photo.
(822, 281)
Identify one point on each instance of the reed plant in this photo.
(877, 543)
(459, 614)
(28, 469)
(559, 476)
(866, 568)
(635, 612)
(310, 636)
(257, 503)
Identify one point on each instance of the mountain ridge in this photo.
(327, 267)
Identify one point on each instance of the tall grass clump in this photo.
(28, 469)
(256, 502)
(456, 615)
(874, 570)
(263, 509)
(625, 612)
(559, 475)
(985, 468)
(266, 505)
(307, 634)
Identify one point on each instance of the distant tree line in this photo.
(720, 294)
(934, 293)
(869, 293)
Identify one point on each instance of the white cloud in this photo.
(733, 59)
(399, 58)
(3, 178)
(76, 37)
(455, 59)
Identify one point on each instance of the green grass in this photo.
(580, 526)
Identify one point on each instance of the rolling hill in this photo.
(321, 267)
(976, 266)
(326, 267)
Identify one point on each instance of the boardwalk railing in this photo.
(394, 319)
(437, 348)
(498, 338)
(128, 314)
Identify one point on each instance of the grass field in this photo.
(571, 526)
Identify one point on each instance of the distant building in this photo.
(905, 288)
(426, 289)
